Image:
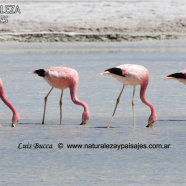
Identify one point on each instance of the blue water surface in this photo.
(89, 166)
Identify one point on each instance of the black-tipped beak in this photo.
(14, 124)
(84, 122)
(150, 125)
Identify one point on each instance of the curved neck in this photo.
(73, 94)
(6, 101)
(143, 99)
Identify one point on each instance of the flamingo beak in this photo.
(84, 122)
(14, 124)
(150, 124)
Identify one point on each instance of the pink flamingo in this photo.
(131, 74)
(180, 76)
(15, 117)
(62, 78)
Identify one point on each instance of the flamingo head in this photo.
(15, 119)
(152, 119)
(85, 117)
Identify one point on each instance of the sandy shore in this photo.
(45, 21)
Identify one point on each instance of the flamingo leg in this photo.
(133, 110)
(60, 104)
(117, 102)
(45, 99)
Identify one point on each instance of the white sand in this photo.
(102, 16)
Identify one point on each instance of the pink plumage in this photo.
(15, 117)
(131, 74)
(63, 78)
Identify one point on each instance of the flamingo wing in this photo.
(178, 75)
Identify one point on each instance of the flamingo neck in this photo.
(6, 101)
(143, 98)
(73, 93)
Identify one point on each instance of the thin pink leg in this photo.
(117, 102)
(60, 104)
(45, 105)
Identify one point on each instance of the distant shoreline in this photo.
(87, 37)
(93, 21)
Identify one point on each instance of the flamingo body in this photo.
(180, 76)
(15, 116)
(63, 78)
(132, 74)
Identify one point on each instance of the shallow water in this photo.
(92, 166)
